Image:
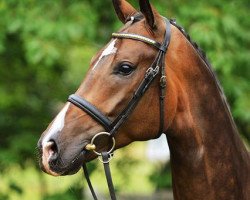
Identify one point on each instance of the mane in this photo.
(194, 44)
(202, 55)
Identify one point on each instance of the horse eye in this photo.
(125, 69)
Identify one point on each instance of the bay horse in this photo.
(148, 80)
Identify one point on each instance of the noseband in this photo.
(112, 126)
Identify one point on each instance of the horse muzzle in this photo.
(55, 163)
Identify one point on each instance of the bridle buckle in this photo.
(163, 81)
(100, 158)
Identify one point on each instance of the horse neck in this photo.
(207, 155)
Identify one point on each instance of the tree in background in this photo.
(45, 48)
(41, 43)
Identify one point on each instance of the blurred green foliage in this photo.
(45, 48)
(74, 192)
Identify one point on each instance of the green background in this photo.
(45, 50)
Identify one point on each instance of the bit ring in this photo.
(97, 135)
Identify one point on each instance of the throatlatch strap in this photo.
(163, 79)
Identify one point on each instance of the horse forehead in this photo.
(110, 49)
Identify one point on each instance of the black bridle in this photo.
(112, 126)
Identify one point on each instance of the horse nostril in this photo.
(51, 150)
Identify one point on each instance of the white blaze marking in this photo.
(57, 124)
(111, 49)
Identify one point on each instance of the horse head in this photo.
(115, 73)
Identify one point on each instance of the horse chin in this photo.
(76, 166)
(72, 168)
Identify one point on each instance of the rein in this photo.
(111, 127)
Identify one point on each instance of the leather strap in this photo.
(86, 174)
(91, 110)
(148, 78)
(105, 159)
(163, 79)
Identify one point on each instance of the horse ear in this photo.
(123, 10)
(149, 13)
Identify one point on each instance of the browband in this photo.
(140, 38)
